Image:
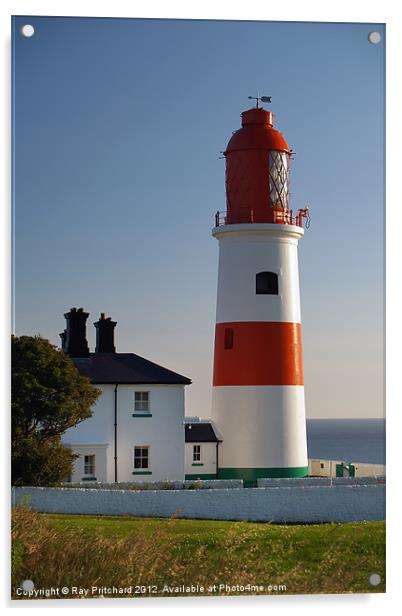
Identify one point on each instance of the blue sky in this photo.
(118, 128)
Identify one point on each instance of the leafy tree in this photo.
(48, 396)
(39, 462)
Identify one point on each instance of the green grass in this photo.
(63, 550)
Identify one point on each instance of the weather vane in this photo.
(262, 99)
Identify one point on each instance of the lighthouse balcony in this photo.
(278, 216)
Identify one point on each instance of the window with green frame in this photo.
(141, 457)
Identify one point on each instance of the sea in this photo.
(349, 440)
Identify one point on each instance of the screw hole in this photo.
(27, 30)
(374, 38)
(374, 579)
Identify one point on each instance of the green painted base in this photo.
(252, 474)
(200, 477)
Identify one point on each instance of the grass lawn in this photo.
(86, 551)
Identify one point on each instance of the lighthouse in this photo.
(258, 387)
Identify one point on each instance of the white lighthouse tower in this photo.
(258, 386)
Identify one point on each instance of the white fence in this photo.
(339, 503)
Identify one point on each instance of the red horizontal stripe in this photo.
(262, 354)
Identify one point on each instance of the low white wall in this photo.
(213, 484)
(200, 484)
(326, 468)
(362, 469)
(307, 482)
(286, 505)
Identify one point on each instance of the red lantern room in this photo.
(257, 172)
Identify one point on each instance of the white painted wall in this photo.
(365, 470)
(340, 503)
(327, 468)
(163, 432)
(263, 426)
(99, 450)
(246, 251)
(208, 459)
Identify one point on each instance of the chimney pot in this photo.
(105, 335)
(74, 337)
(63, 337)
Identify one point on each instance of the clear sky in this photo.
(118, 128)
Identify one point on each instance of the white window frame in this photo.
(141, 405)
(91, 464)
(142, 468)
(196, 453)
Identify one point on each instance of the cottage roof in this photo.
(201, 432)
(126, 368)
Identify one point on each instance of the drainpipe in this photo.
(115, 433)
(217, 460)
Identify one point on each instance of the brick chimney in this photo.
(74, 338)
(105, 335)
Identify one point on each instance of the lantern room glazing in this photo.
(257, 173)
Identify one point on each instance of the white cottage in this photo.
(202, 448)
(136, 432)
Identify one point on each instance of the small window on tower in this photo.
(279, 179)
(228, 342)
(266, 283)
